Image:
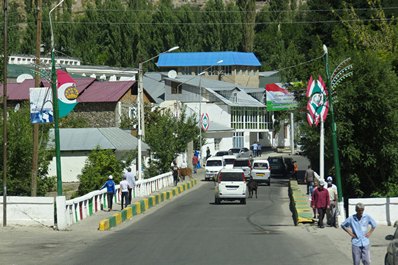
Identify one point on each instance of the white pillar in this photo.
(60, 202)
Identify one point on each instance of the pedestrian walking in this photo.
(124, 190)
(195, 161)
(259, 149)
(330, 212)
(309, 179)
(295, 170)
(208, 153)
(110, 191)
(320, 201)
(131, 180)
(174, 169)
(357, 226)
(255, 148)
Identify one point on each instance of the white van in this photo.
(213, 165)
(229, 161)
(230, 186)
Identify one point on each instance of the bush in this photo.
(99, 165)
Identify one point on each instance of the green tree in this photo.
(19, 159)
(99, 165)
(167, 136)
(248, 9)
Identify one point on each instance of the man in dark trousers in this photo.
(309, 179)
(320, 201)
(110, 191)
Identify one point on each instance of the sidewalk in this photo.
(342, 240)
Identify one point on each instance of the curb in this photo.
(302, 212)
(142, 205)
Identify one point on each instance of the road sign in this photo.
(205, 121)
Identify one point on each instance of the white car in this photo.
(261, 171)
(229, 161)
(213, 165)
(230, 186)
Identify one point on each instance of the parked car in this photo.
(241, 152)
(229, 161)
(261, 172)
(289, 165)
(230, 185)
(223, 153)
(213, 165)
(391, 257)
(245, 164)
(278, 167)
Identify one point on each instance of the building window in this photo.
(238, 139)
(217, 142)
(176, 88)
(250, 118)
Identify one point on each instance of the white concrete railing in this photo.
(29, 211)
(80, 208)
(383, 210)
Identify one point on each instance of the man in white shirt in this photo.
(124, 189)
(131, 180)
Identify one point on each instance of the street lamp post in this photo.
(200, 104)
(141, 111)
(334, 137)
(55, 107)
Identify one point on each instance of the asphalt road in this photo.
(193, 230)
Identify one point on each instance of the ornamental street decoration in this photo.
(67, 93)
(317, 105)
(205, 121)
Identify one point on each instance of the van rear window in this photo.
(241, 163)
(231, 176)
(260, 165)
(229, 161)
(214, 163)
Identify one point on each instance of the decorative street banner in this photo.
(279, 98)
(67, 93)
(317, 105)
(41, 105)
(205, 121)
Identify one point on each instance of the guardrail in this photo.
(82, 207)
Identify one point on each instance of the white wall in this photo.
(71, 166)
(383, 210)
(29, 211)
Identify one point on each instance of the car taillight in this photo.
(219, 178)
(244, 178)
(269, 167)
(250, 165)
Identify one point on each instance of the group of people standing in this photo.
(257, 149)
(126, 189)
(359, 226)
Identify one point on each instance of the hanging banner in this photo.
(278, 97)
(318, 105)
(67, 93)
(41, 105)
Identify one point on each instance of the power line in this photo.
(217, 23)
(246, 11)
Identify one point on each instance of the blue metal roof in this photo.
(178, 59)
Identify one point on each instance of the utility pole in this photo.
(35, 155)
(5, 97)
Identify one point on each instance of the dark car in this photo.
(278, 167)
(391, 257)
(289, 165)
